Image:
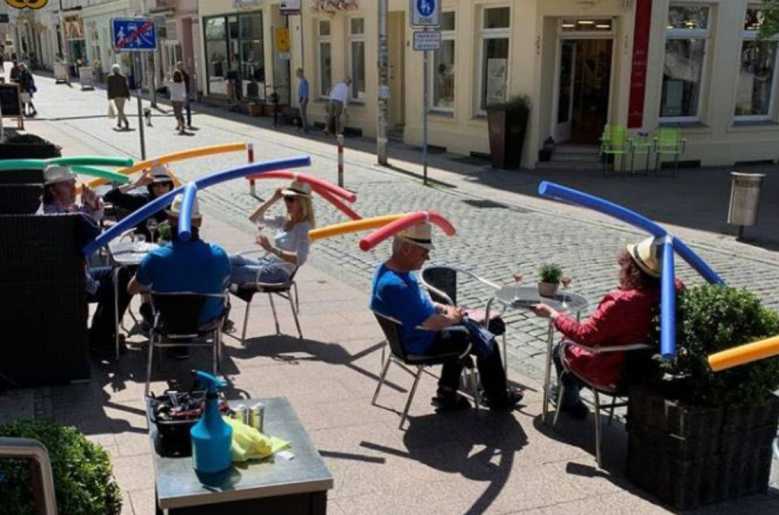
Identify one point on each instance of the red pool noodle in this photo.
(338, 203)
(392, 228)
(313, 181)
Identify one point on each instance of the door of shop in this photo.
(584, 86)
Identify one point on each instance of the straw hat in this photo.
(297, 189)
(645, 255)
(175, 207)
(160, 173)
(420, 235)
(55, 174)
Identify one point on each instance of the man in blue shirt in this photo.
(426, 325)
(303, 99)
(185, 266)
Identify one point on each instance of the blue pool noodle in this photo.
(185, 217)
(164, 201)
(695, 261)
(668, 301)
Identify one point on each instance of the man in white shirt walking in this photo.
(339, 97)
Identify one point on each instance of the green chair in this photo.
(669, 142)
(641, 144)
(615, 143)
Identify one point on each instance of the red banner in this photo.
(639, 64)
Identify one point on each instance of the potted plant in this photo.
(697, 437)
(507, 123)
(550, 275)
(83, 477)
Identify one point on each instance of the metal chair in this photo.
(399, 356)
(614, 143)
(287, 290)
(441, 282)
(176, 324)
(669, 142)
(636, 357)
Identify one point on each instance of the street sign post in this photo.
(135, 35)
(425, 41)
(425, 13)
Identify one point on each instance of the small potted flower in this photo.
(550, 275)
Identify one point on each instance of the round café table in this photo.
(524, 297)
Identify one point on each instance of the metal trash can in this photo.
(744, 199)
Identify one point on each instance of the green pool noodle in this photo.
(102, 173)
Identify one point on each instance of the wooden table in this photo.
(273, 485)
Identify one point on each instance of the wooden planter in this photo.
(691, 456)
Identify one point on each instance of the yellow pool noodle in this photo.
(744, 354)
(352, 226)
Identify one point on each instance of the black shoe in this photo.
(228, 327)
(507, 403)
(450, 402)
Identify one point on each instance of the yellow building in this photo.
(583, 63)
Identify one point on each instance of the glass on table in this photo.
(152, 226)
(566, 281)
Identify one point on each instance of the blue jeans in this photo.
(245, 270)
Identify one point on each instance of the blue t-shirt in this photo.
(303, 89)
(188, 266)
(399, 296)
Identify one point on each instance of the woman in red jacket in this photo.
(623, 317)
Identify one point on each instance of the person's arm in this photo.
(119, 196)
(142, 280)
(445, 316)
(259, 213)
(597, 330)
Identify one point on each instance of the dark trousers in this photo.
(101, 334)
(188, 108)
(572, 384)
(491, 372)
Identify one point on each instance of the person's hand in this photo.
(545, 311)
(277, 194)
(145, 179)
(264, 242)
(518, 278)
(88, 197)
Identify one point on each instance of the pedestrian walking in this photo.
(26, 90)
(187, 86)
(339, 97)
(303, 96)
(178, 95)
(118, 93)
(13, 75)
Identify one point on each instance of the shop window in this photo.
(442, 73)
(357, 57)
(686, 40)
(493, 56)
(234, 54)
(216, 54)
(324, 58)
(757, 71)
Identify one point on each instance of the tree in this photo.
(770, 24)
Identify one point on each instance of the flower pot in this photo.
(548, 289)
(256, 109)
(690, 456)
(507, 136)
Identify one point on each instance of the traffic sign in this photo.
(425, 13)
(425, 40)
(134, 34)
(289, 7)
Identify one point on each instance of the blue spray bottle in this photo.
(211, 436)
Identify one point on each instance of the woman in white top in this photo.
(290, 246)
(178, 95)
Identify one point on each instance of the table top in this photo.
(128, 253)
(525, 296)
(178, 486)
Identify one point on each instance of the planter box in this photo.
(690, 456)
(507, 136)
(20, 199)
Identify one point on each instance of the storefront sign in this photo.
(282, 40)
(425, 13)
(290, 7)
(425, 40)
(27, 4)
(86, 77)
(639, 65)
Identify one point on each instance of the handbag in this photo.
(111, 111)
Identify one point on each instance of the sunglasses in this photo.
(290, 199)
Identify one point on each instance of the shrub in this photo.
(83, 477)
(710, 319)
(550, 273)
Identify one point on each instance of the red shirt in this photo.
(623, 317)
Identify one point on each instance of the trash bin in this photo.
(744, 199)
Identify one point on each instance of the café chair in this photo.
(637, 356)
(615, 144)
(176, 324)
(416, 364)
(669, 142)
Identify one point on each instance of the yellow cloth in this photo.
(248, 443)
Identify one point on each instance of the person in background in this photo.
(13, 75)
(187, 88)
(430, 329)
(59, 197)
(339, 98)
(624, 317)
(185, 266)
(118, 92)
(158, 182)
(27, 90)
(178, 95)
(303, 96)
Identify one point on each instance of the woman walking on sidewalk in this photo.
(118, 93)
(27, 89)
(178, 95)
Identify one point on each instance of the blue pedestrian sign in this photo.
(133, 34)
(425, 13)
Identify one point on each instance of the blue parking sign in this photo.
(425, 13)
(133, 34)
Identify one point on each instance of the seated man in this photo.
(427, 325)
(185, 266)
(59, 197)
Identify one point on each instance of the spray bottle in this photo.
(211, 436)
